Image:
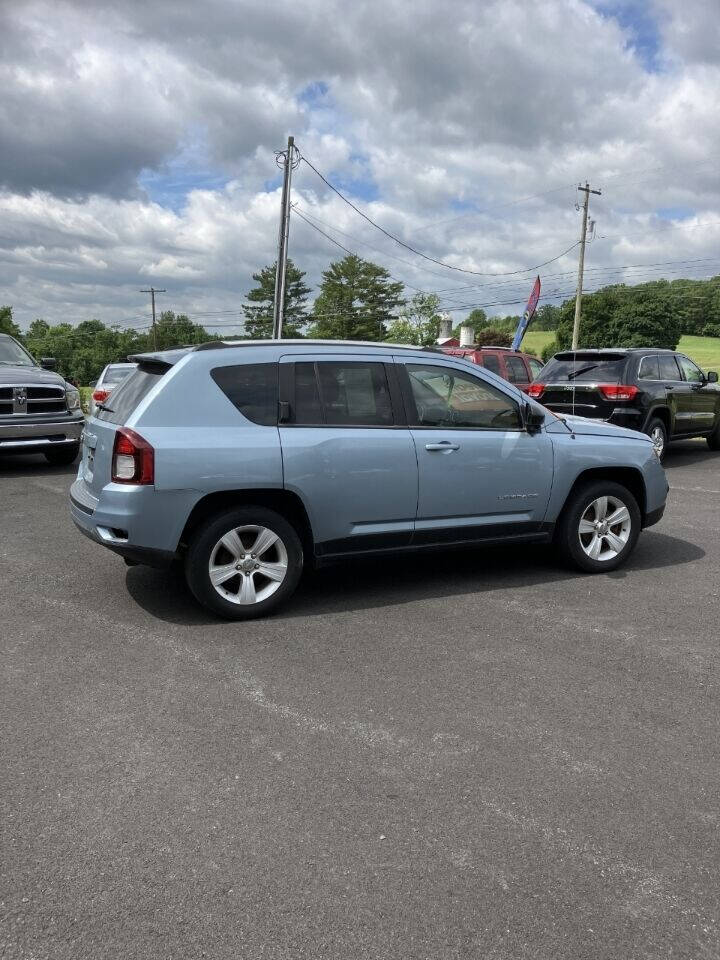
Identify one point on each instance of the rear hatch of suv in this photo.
(583, 383)
(101, 429)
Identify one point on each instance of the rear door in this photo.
(702, 396)
(347, 450)
(480, 474)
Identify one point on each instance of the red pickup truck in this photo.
(519, 368)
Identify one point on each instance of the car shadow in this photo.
(686, 452)
(33, 465)
(360, 584)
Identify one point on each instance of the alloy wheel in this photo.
(657, 436)
(605, 528)
(248, 564)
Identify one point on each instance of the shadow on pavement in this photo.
(32, 466)
(687, 452)
(390, 580)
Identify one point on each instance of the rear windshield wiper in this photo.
(576, 373)
(101, 406)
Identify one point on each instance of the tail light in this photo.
(617, 391)
(100, 396)
(536, 390)
(133, 459)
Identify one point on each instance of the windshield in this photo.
(13, 355)
(593, 369)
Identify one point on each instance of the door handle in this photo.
(442, 446)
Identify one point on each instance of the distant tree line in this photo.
(359, 300)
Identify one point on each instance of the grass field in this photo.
(705, 351)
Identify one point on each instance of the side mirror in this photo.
(48, 363)
(533, 419)
(712, 377)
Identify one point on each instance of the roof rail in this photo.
(306, 342)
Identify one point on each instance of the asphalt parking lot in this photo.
(469, 754)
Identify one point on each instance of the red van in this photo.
(519, 368)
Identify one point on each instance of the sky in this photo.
(138, 147)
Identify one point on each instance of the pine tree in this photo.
(259, 312)
(356, 301)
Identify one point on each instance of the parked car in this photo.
(39, 411)
(659, 392)
(249, 460)
(512, 365)
(111, 377)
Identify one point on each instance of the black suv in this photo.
(659, 392)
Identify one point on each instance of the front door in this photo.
(347, 451)
(702, 396)
(480, 474)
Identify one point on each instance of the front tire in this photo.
(244, 563)
(713, 440)
(599, 526)
(657, 431)
(63, 456)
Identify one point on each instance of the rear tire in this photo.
(599, 526)
(62, 456)
(244, 562)
(657, 431)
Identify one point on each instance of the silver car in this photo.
(247, 461)
(111, 377)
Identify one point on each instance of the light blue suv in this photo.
(248, 460)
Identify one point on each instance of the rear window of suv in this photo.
(252, 388)
(128, 395)
(588, 368)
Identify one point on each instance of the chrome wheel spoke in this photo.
(587, 526)
(222, 573)
(614, 541)
(247, 593)
(233, 544)
(618, 516)
(601, 507)
(273, 571)
(594, 547)
(264, 540)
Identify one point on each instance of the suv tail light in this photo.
(617, 391)
(100, 396)
(536, 390)
(133, 459)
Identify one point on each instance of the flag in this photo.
(527, 316)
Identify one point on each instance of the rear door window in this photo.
(649, 369)
(668, 367)
(492, 363)
(516, 370)
(252, 388)
(330, 393)
(128, 395)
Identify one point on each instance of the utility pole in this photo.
(152, 291)
(581, 266)
(288, 160)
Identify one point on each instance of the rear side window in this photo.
(491, 362)
(337, 394)
(588, 368)
(516, 370)
(668, 368)
(128, 395)
(252, 388)
(649, 369)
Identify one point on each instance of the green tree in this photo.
(7, 324)
(546, 318)
(477, 318)
(357, 300)
(620, 316)
(176, 330)
(259, 311)
(418, 321)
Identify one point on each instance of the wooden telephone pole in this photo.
(581, 266)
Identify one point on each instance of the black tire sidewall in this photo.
(568, 538)
(657, 422)
(203, 542)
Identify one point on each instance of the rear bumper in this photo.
(40, 434)
(146, 555)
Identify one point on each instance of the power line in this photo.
(419, 253)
